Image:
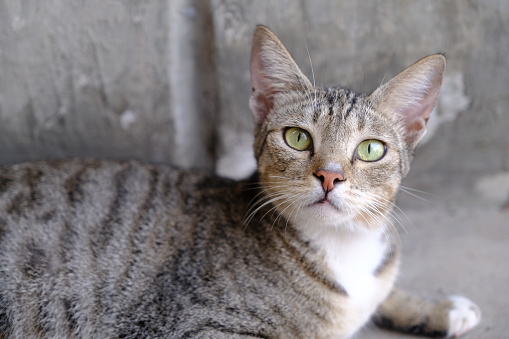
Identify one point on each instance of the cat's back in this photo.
(84, 241)
(98, 203)
(102, 189)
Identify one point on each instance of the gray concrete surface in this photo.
(114, 79)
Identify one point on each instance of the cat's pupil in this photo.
(369, 149)
(298, 137)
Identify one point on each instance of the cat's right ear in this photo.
(273, 72)
(412, 94)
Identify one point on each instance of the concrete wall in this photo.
(111, 79)
(168, 81)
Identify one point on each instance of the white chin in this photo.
(322, 214)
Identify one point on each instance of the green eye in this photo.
(297, 138)
(370, 150)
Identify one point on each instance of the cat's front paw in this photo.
(463, 316)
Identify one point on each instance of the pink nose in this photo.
(328, 179)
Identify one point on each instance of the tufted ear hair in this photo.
(273, 72)
(412, 94)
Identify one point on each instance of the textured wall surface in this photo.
(168, 81)
(106, 78)
(83, 79)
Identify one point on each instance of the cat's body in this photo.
(113, 272)
(304, 249)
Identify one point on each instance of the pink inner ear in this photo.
(412, 94)
(415, 118)
(261, 101)
(262, 106)
(261, 93)
(417, 115)
(273, 71)
(259, 84)
(256, 76)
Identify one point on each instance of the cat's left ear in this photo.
(412, 94)
(273, 73)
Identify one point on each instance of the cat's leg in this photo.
(450, 317)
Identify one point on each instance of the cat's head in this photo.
(327, 155)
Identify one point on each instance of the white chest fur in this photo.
(352, 259)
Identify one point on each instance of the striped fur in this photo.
(109, 249)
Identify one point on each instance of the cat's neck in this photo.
(352, 257)
(341, 233)
(358, 245)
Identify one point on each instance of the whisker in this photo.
(252, 188)
(295, 198)
(310, 64)
(393, 205)
(269, 186)
(373, 205)
(384, 226)
(273, 210)
(416, 190)
(300, 206)
(386, 232)
(374, 216)
(389, 212)
(385, 75)
(315, 102)
(281, 177)
(253, 213)
(362, 215)
(260, 200)
(414, 195)
(323, 73)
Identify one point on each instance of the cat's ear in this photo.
(273, 72)
(412, 94)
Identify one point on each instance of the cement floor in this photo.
(456, 243)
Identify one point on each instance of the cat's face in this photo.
(316, 134)
(328, 156)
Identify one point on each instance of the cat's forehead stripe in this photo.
(352, 104)
(339, 101)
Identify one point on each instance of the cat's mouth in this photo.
(325, 202)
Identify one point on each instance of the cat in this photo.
(305, 248)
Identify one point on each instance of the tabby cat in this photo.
(305, 248)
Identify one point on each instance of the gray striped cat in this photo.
(305, 248)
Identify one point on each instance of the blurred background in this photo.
(167, 81)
